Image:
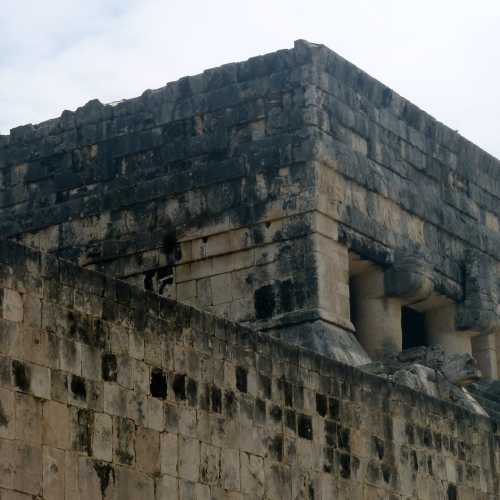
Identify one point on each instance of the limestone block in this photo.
(102, 437)
(53, 474)
(252, 475)
(186, 291)
(186, 421)
(147, 450)
(9, 341)
(230, 469)
(14, 495)
(91, 362)
(123, 441)
(12, 305)
(71, 487)
(136, 344)
(167, 488)
(221, 288)
(124, 371)
(202, 492)
(32, 316)
(70, 356)
(169, 453)
(7, 463)
(278, 484)
(89, 481)
(210, 458)
(37, 347)
(56, 421)
(28, 419)
(7, 414)
(189, 458)
(28, 469)
(115, 400)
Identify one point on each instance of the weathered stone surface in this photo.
(297, 196)
(245, 416)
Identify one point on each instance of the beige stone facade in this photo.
(136, 397)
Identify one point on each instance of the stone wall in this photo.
(258, 190)
(107, 391)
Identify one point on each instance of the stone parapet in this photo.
(108, 392)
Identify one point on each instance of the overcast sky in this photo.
(443, 55)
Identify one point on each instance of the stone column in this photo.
(441, 330)
(484, 350)
(378, 317)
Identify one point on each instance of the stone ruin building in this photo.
(275, 280)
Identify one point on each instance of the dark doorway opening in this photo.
(413, 328)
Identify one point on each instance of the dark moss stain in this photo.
(438, 443)
(230, 404)
(276, 448)
(216, 399)
(4, 421)
(99, 334)
(430, 466)
(331, 433)
(333, 408)
(378, 447)
(414, 460)
(427, 438)
(73, 330)
(291, 420)
(265, 385)
(179, 386)
(304, 427)
(386, 473)
(84, 435)
(106, 473)
(287, 392)
(192, 392)
(158, 383)
(148, 280)
(124, 457)
(452, 492)
(311, 491)
(345, 465)
(78, 387)
(373, 471)
(22, 375)
(329, 457)
(109, 367)
(321, 404)
(241, 379)
(276, 414)
(286, 292)
(205, 398)
(258, 235)
(264, 302)
(260, 411)
(410, 433)
(343, 438)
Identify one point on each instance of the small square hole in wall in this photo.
(413, 328)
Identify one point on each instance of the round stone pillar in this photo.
(441, 330)
(377, 317)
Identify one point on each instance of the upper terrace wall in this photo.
(198, 190)
(398, 177)
(241, 190)
(109, 392)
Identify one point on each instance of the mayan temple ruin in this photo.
(275, 280)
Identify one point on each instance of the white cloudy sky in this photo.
(57, 54)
